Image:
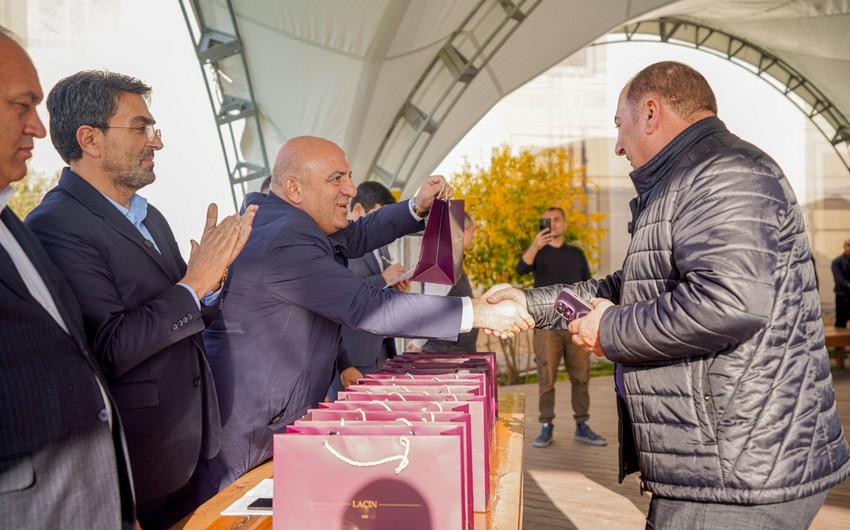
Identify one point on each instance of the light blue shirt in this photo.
(136, 215)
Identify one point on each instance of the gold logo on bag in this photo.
(365, 504)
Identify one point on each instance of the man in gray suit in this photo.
(63, 461)
(367, 351)
(273, 347)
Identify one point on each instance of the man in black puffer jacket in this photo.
(724, 390)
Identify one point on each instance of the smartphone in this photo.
(570, 306)
(546, 224)
(261, 503)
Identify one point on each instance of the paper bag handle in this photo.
(382, 403)
(403, 458)
(439, 406)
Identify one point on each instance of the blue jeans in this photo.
(673, 514)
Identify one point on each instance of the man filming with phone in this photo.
(552, 262)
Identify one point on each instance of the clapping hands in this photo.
(220, 244)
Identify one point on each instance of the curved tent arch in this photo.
(800, 91)
(344, 70)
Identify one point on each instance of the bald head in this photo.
(295, 155)
(313, 175)
(20, 92)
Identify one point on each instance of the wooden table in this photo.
(838, 338)
(504, 511)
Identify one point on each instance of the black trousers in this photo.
(842, 311)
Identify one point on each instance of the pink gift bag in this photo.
(479, 412)
(370, 478)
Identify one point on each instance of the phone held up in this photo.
(546, 224)
(570, 306)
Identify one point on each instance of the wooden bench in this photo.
(838, 338)
(504, 511)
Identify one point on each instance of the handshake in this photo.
(501, 311)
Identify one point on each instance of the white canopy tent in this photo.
(397, 83)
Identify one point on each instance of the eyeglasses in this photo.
(150, 132)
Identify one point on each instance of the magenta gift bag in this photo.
(441, 253)
(478, 423)
(479, 477)
(357, 478)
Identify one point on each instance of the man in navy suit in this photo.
(274, 345)
(63, 460)
(142, 305)
(367, 351)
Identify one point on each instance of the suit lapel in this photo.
(9, 275)
(98, 205)
(372, 263)
(56, 285)
(169, 260)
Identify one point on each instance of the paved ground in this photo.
(570, 485)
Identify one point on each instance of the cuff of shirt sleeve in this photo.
(411, 204)
(210, 299)
(466, 319)
(192, 292)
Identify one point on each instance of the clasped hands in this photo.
(585, 330)
(501, 312)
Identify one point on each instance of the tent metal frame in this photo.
(799, 90)
(232, 104)
(467, 52)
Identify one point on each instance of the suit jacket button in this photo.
(173, 327)
(103, 415)
(197, 382)
(189, 316)
(185, 320)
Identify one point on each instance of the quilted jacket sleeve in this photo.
(724, 231)
(541, 300)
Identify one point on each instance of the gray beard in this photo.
(134, 178)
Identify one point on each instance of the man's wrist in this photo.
(418, 214)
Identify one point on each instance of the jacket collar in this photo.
(336, 241)
(660, 166)
(99, 205)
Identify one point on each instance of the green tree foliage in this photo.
(507, 199)
(30, 191)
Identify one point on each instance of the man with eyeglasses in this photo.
(143, 306)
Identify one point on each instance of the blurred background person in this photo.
(552, 261)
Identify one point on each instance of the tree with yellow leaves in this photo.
(30, 191)
(506, 199)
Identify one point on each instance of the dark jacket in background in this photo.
(363, 348)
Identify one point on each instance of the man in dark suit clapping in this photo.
(63, 461)
(144, 308)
